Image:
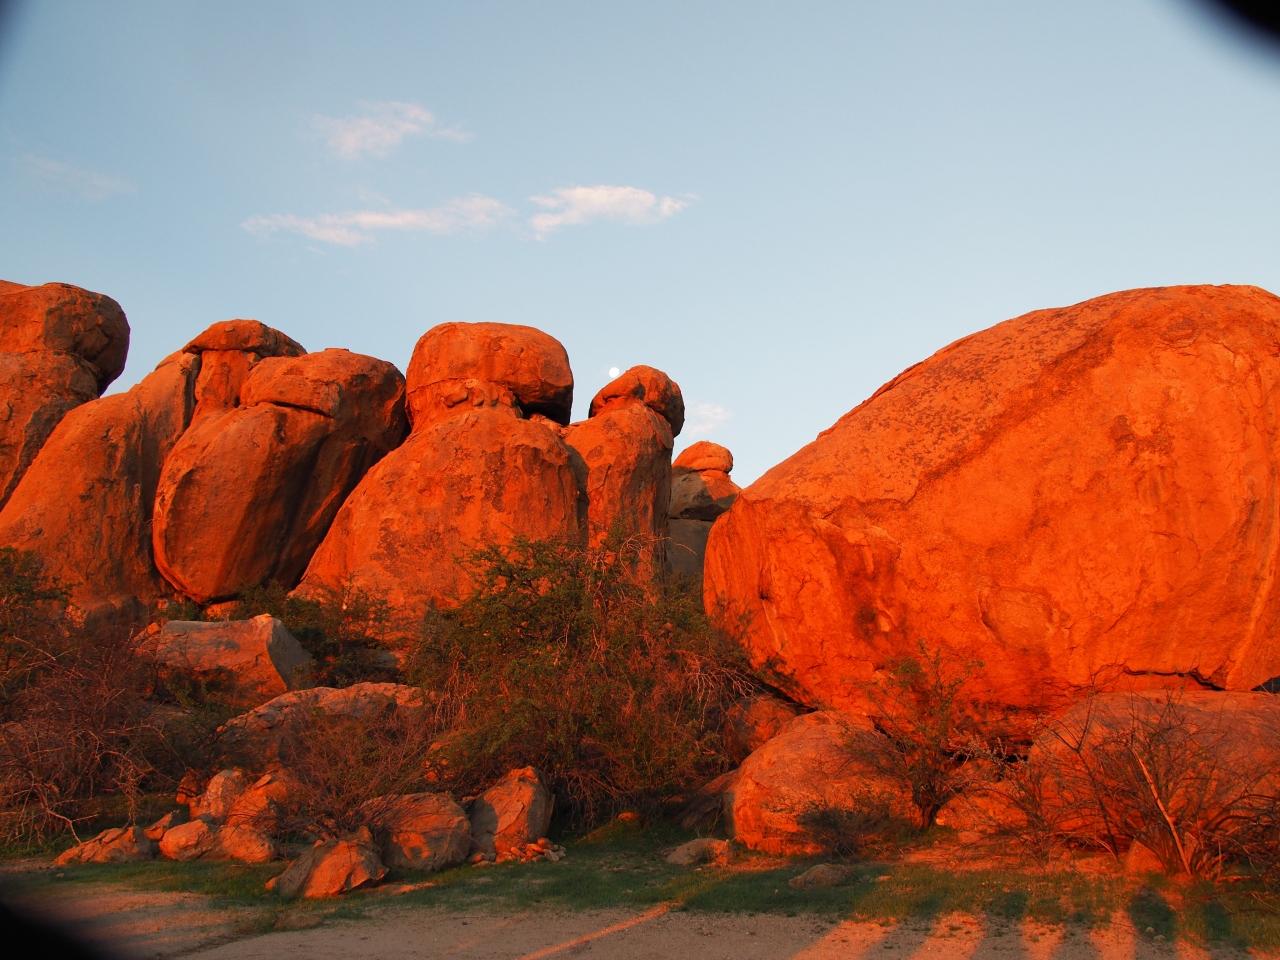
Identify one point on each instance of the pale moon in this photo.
(613, 373)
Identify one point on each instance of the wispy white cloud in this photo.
(381, 127)
(63, 176)
(704, 418)
(567, 206)
(475, 212)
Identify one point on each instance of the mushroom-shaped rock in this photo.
(513, 813)
(646, 385)
(259, 657)
(228, 351)
(701, 491)
(419, 831)
(85, 503)
(479, 478)
(460, 365)
(624, 454)
(704, 455)
(248, 493)
(60, 346)
(1074, 497)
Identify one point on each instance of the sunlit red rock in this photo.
(482, 477)
(85, 503)
(753, 721)
(460, 365)
(704, 455)
(513, 813)
(249, 491)
(701, 491)
(115, 845)
(1073, 497)
(60, 346)
(645, 385)
(330, 868)
(420, 831)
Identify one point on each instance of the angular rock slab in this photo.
(1071, 497)
(330, 868)
(260, 657)
(250, 490)
(60, 346)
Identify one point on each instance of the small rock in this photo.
(820, 877)
(116, 845)
(702, 850)
(174, 818)
(188, 841)
(297, 920)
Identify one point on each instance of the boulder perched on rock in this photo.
(460, 365)
(85, 503)
(420, 831)
(228, 351)
(257, 659)
(250, 490)
(623, 453)
(260, 733)
(752, 722)
(700, 492)
(510, 815)
(116, 845)
(60, 346)
(481, 477)
(788, 789)
(330, 868)
(1073, 497)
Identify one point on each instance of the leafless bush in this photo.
(1188, 776)
(340, 767)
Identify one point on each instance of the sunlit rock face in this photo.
(1077, 497)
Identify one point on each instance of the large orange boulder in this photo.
(85, 503)
(482, 477)
(60, 346)
(228, 350)
(250, 490)
(1073, 497)
(623, 453)
(457, 365)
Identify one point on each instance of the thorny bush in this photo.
(576, 660)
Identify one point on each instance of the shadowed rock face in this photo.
(250, 490)
(1068, 496)
(60, 346)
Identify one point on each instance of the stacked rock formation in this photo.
(1078, 498)
(492, 458)
(61, 346)
(623, 455)
(484, 464)
(231, 458)
(701, 491)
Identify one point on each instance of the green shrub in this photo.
(576, 660)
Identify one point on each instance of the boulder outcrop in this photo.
(60, 346)
(1074, 497)
(623, 453)
(257, 659)
(85, 503)
(276, 445)
(480, 477)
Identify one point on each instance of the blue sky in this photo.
(781, 205)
